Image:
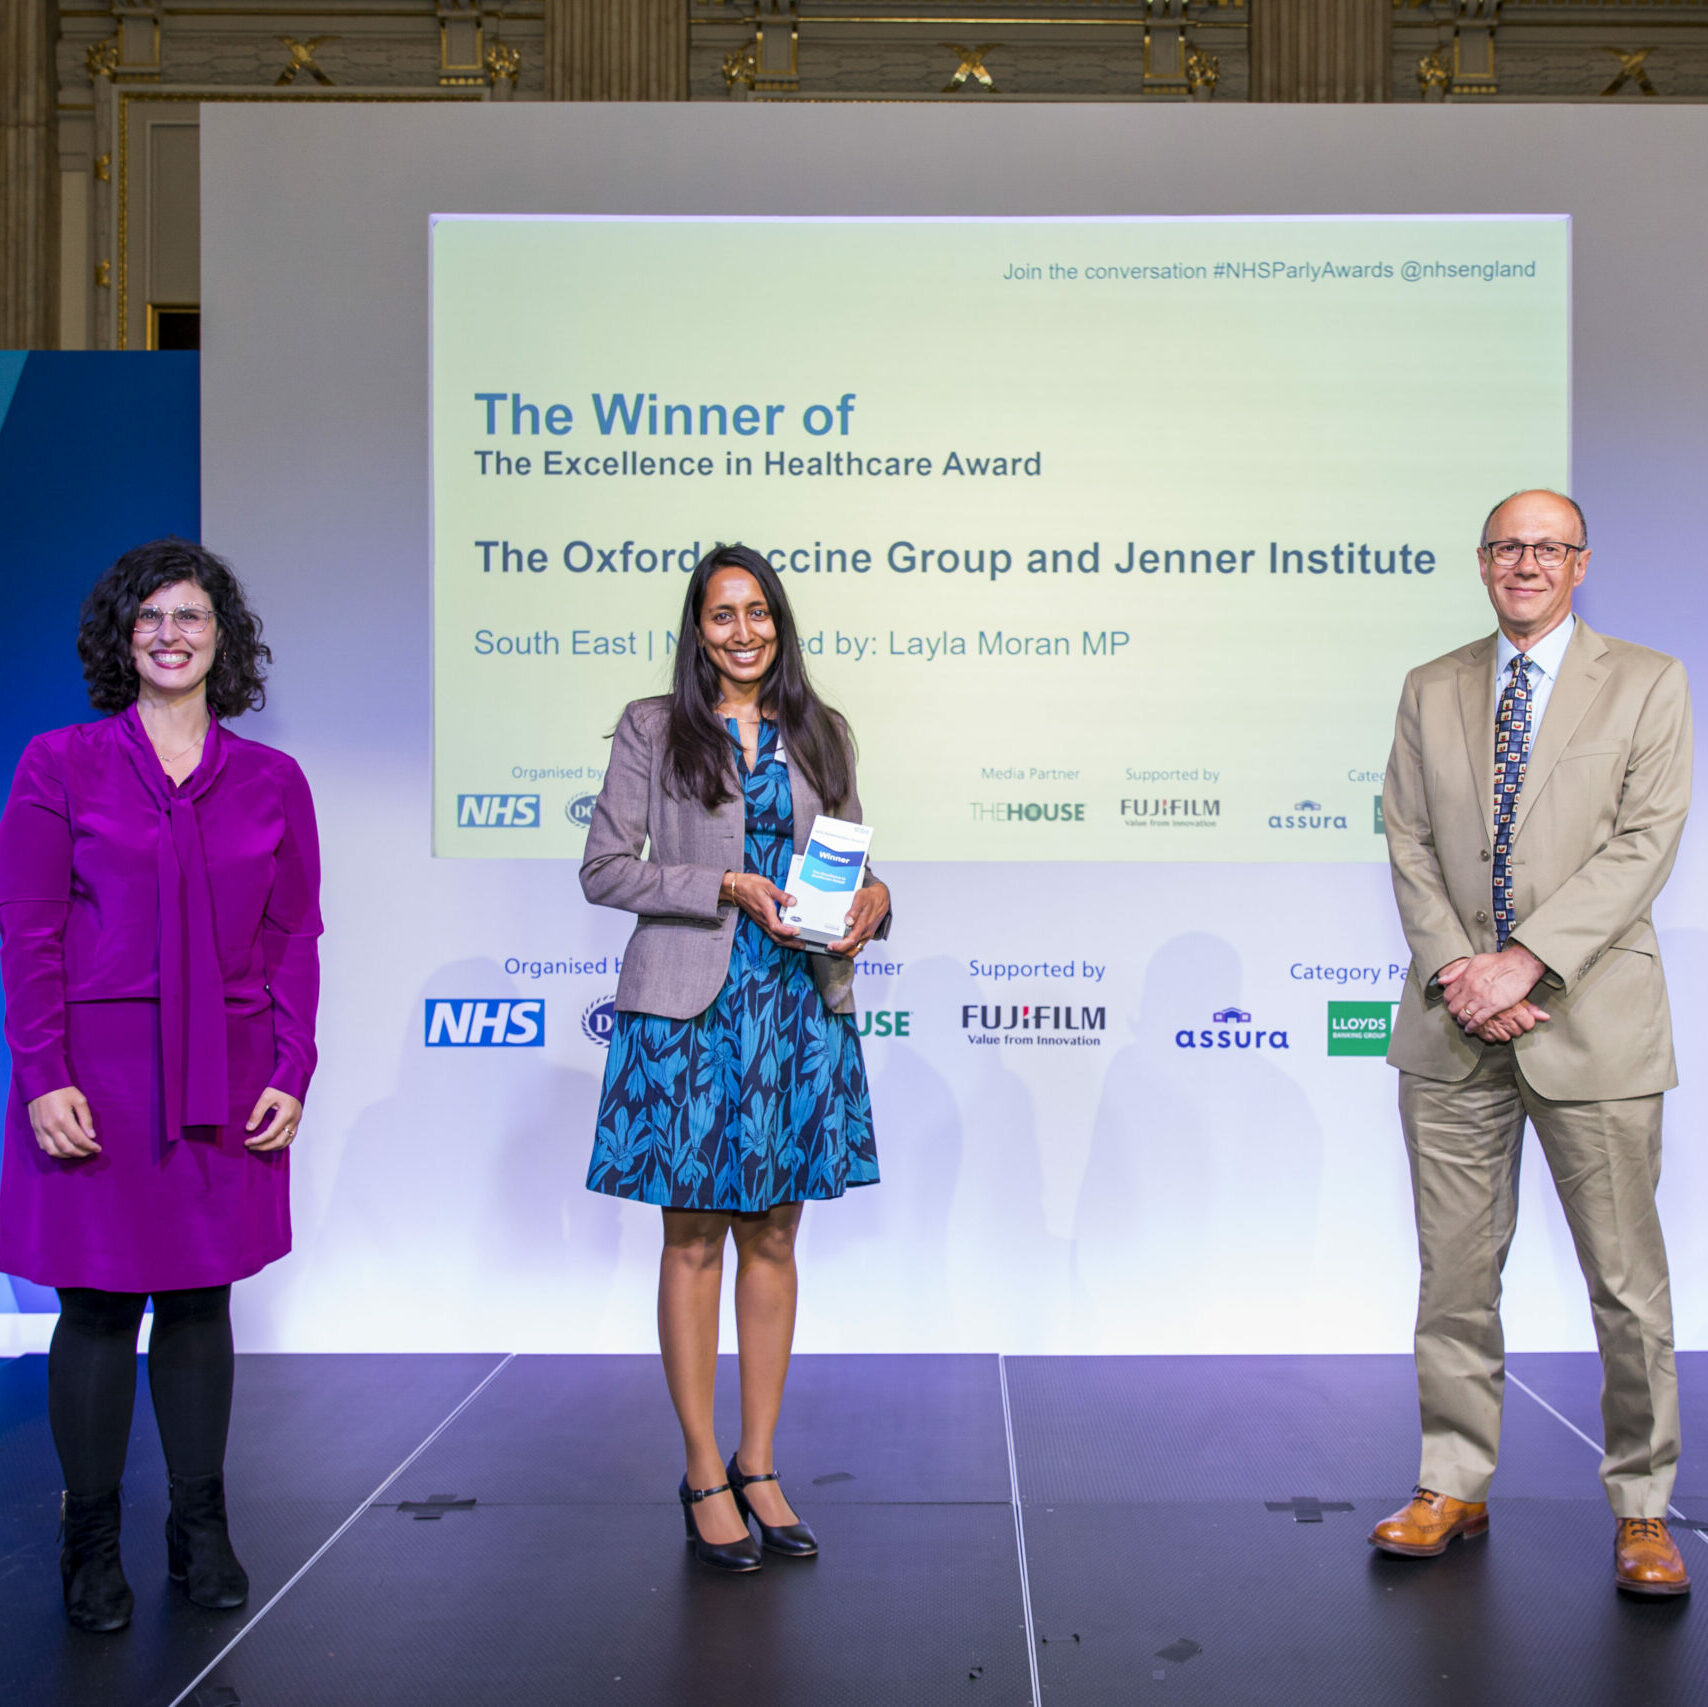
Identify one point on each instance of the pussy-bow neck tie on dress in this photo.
(192, 988)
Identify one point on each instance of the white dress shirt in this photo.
(1542, 668)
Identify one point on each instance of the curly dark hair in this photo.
(236, 683)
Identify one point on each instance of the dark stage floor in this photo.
(1144, 1562)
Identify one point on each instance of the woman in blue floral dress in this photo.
(735, 1089)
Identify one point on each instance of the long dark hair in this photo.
(698, 760)
(236, 682)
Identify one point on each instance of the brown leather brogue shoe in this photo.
(1423, 1528)
(1646, 1558)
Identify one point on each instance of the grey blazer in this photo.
(650, 853)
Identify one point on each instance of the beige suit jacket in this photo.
(664, 858)
(1595, 833)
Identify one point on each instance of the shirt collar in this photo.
(1547, 654)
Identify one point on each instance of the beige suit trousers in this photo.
(1464, 1141)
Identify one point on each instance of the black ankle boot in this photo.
(198, 1548)
(97, 1597)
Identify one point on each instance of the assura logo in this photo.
(1307, 815)
(1230, 1028)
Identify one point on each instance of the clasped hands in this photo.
(759, 898)
(64, 1124)
(1489, 994)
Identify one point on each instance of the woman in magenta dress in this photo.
(159, 881)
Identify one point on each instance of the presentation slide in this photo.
(1114, 539)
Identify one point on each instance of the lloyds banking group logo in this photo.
(1360, 1028)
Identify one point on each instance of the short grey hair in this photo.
(1583, 526)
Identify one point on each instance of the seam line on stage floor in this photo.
(1019, 1530)
(1595, 1445)
(326, 1546)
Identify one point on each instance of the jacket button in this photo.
(1485, 853)
(1482, 918)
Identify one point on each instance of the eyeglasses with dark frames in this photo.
(1549, 553)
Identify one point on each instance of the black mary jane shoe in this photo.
(742, 1555)
(795, 1540)
(97, 1597)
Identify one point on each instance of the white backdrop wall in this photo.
(1131, 1197)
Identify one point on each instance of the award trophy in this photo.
(824, 879)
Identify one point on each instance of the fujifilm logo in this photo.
(498, 811)
(1052, 1024)
(467, 1022)
(1185, 811)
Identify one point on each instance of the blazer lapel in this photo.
(1582, 671)
(1477, 711)
(806, 802)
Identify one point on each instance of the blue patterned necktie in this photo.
(1512, 753)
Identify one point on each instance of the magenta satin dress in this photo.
(158, 948)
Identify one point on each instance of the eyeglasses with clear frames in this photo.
(188, 619)
(1549, 553)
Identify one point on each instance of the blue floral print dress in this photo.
(760, 1100)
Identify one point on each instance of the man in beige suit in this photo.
(1534, 799)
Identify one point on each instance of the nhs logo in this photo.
(498, 811)
(469, 1023)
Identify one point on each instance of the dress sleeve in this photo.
(35, 900)
(290, 933)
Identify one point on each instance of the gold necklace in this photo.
(173, 758)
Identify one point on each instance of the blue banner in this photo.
(98, 452)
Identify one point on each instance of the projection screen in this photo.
(1119, 529)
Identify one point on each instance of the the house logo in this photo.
(580, 810)
(885, 1022)
(1028, 811)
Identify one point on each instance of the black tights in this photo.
(91, 1381)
